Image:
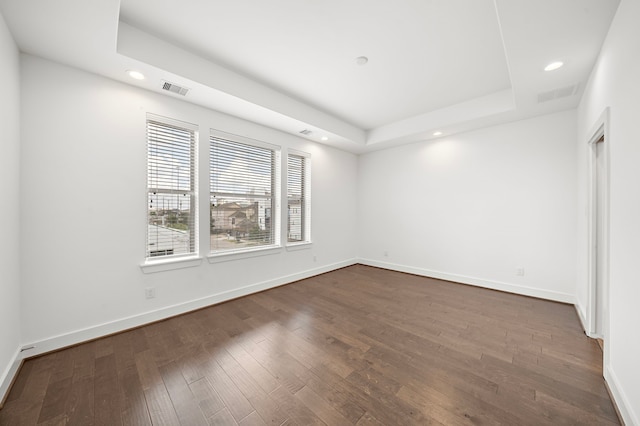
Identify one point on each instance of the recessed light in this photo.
(135, 74)
(437, 133)
(324, 138)
(553, 66)
(362, 60)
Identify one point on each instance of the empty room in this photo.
(320, 212)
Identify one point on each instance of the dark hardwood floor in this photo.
(357, 346)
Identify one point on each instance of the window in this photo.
(171, 198)
(298, 198)
(244, 189)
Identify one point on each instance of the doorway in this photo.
(599, 233)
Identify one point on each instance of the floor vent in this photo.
(174, 88)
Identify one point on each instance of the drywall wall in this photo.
(9, 206)
(476, 207)
(614, 84)
(84, 209)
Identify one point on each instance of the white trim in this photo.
(8, 375)
(625, 407)
(228, 255)
(165, 264)
(100, 330)
(478, 282)
(598, 130)
(582, 316)
(219, 134)
(305, 245)
(298, 153)
(172, 121)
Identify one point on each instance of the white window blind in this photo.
(298, 199)
(243, 186)
(171, 198)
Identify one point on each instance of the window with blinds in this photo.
(171, 198)
(244, 193)
(298, 199)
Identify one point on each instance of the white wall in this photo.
(9, 206)
(476, 206)
(614, 83)
(471, 207)
(84, 207)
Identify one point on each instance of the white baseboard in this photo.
(478, 282)
(8, 375)
(582, 316)
(625, 408)
(100, 330)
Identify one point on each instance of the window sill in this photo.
(243, 254)
(299, 246)
(152, 266)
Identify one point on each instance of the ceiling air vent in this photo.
(560, 93)
(174, 88)
(306, 132)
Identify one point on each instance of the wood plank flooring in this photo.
(357, 346)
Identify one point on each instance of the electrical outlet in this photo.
(150, 292)
(315, 259)
(520, 271)
(386, 253)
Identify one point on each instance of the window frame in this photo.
(192, 220)
(305, 199)
(217, 255)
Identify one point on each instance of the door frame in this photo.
(601, 129)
